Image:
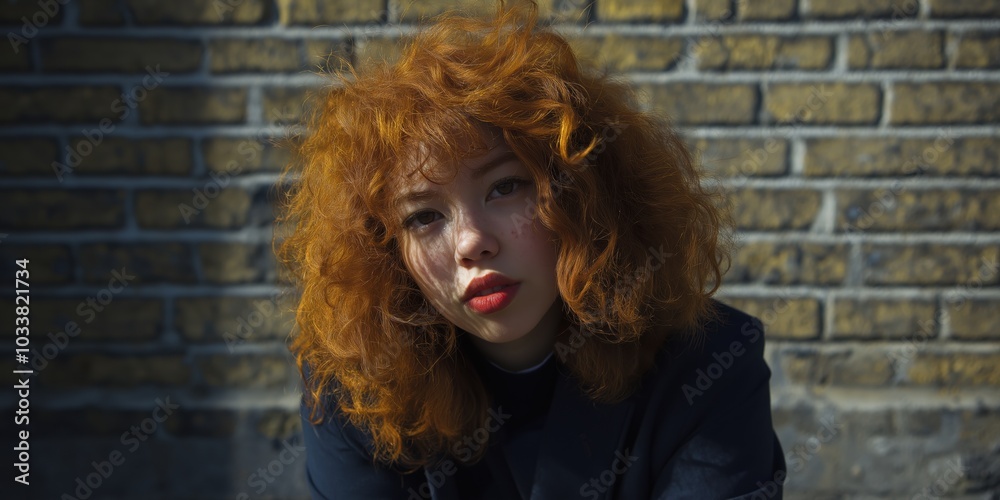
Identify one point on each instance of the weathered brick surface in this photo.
(856, 141)
(703, 103)
(945, 103)
(48, 264)
(317, 12)
(875, 318)
(233, 320)
(775, 10)
(120, 56)
(964, 8)
(100, 13)
(783, 317)
(32, 156)
(930, 264)
(101, 316)
(823, 103)
(789, 263)
(841, 9)
(897, 49)
(755, 52)
(234, 55)
(82, 104)
(150, 262)
(637, 10)
(628, 53)
(54, 210)
(742, 157)
(244, 155)
(207, 206)
(194, 105)
(195, 12)
(224, 370)
(972, 318)
(979, 50)
(168, 156)
(235, 263)
(897, 208)
(944, 155)
(769, 210)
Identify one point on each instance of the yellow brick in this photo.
(739, 52)
(897, 49)
(30, 104)
(965, 8)
(194, 105)
(826, 9)
(928, 264)
(784, 318)
(788, 263)
(233, 263)
(198, 12)
(120, 55)
(766, 10)
(702, 103)
(627, 53)
(322, 12)
(959, 369)
(871, 317)
(900, 209)
(244, 55)
(773, 209)
(979, 50)
(209, 207)
(640, 10)
(942, 155)
(823, 103)
(33, 210)
(741, 157)
(945, 102)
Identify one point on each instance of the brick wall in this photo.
(859, 141)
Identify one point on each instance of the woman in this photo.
(506, 274)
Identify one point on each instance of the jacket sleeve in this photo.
(339, 467)
(733, 453)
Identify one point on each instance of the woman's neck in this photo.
(529, 350)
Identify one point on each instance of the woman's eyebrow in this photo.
(416, 196)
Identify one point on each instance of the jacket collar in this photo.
(580, 441)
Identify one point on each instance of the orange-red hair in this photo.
(641, 246)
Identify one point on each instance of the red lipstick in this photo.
(490, 293)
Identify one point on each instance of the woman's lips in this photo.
(495, 301)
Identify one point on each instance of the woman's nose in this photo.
(475, 238)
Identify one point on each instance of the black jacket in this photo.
(698, 427)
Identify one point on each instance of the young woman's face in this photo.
(483, 223)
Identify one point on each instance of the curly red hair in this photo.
(612, 183)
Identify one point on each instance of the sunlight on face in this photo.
(479, 224)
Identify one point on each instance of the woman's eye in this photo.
(510, 183)
(420, 217)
